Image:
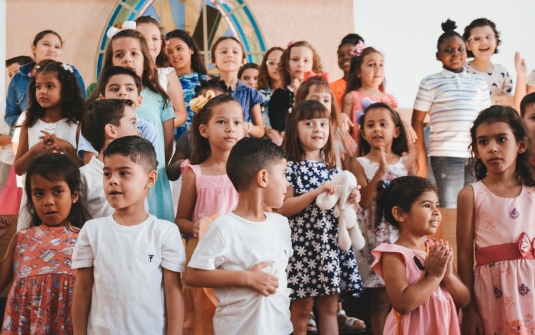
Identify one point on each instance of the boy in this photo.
(104, 121)
(244, 254)
(527, 111)
(129, 263)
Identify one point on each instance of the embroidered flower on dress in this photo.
(497, 293)
(523, 290)
(514, 214)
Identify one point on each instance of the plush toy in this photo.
(348, 229)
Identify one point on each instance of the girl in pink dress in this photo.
(206, 190)
(496, 218)
(420, 281)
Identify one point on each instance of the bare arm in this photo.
(168, 136)
(186, 205)
(174, 168)
(81, 303)
(521, 86)
(453, 284)
(24, 154)
(293, 205)
(174, 302)
(257, 130)
(347, 108)
(418, 126)
(6, 265)
(5, 140)
(176, 95)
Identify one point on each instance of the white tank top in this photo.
(61, 129)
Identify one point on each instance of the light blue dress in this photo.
(152, 110)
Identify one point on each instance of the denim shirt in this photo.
(17, 93)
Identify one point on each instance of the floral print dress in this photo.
(318, 266)
(188, 82)
(40, 299)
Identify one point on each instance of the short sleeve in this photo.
(18, 124)
(424, 98)
(291, 174)
(168, 112)
(287, 234)
(173, 254)
(530, 80)
(394, 102)
(83, 256)
(507, 80)
(84, 146)
(256, 98)
(211, 251)
(148, 131)
(484, 101)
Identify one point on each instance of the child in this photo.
(384, 154)
(207, 190)
(129, 263)
(495, 218)
(129, 49)
(453, 98)
(38, 259)
(104, 121)
(52, 119)
(344, 63)
(319, 271)
(244, 254)
(184, 55)
(248, 74)
(418, 273)
(527, 111)
(269, 79)
(366, 80)
(228, 55)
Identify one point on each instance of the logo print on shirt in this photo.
(150, 257)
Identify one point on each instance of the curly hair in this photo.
(161, 59)
(264, 80)
(72, 99)
(354, 82)
(284, 63)
(482, 22)
(197, 61)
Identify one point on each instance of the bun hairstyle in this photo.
(353, 39)
(401, 192)
(481, 23)
(215, 84)
(449, 30)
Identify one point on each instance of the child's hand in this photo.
(329, 186)
(437, 261)
(520, 65)
(55, 141)
(354, 197)
(274, 136)
(411, 134)
(344, 122)
(295, 85)
(261, 281)
(472, 323)
(196, 227)
(383, 164)
(410, 159)
(5, 225)
(449, 266)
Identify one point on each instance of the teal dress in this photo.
(152, 110)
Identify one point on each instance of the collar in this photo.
(97, 164)
(26, 68)
(448, 74)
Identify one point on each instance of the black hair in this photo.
(138, 149)
(355, 82)
(351, 39)
(401, 192)
(399, 144)
(214, 84)
(72, 100)
(449, 31)
(248, 66)
(248, 157)
(56, 167)
(197, 61)
(98, 115)
(21, 60)
(105, 77)
(42, 34)
(481, 23)
(524, 168)
(526, 101)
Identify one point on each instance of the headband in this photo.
(197, 104)
(127, 25)
(359, 48)
(291, 43)
(312, 74)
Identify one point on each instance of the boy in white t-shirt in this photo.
(129, 263)
(244, 254)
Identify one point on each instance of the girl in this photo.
(419, 276)
(129, 49)
(207, 190)
(269, 80)
(248, 74)
(38, 259)
(344, 63)
(151, 30)
(228, 55)
(52, 119)
(495, 218)
(184, 56)
(384, 154)
(318, 271)
(366, 79)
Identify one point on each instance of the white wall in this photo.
(406, 32)
(3, 50)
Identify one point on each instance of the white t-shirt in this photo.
(235, 244)
(498, 80)
(93, 189)
(128, 262)
(6, 152)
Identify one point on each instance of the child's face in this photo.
(424, 216)
(127, 53)
(272, 64)
(344, 57)
(153, 36)
(276, 185)
(250, 78)
(318, 94)
(127, 124)
(49, 47)
(228, 56)
(313, 134)
(122, 86)
(225, 127)
(378, 129)
(47, 90)
(12, 70)
(301, 61)
(52, 199)
(452, 54)
(179, 55)
(529, 117)
(482, 42)
(372, 70)
(126, 183)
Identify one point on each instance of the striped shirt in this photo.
(453, 101)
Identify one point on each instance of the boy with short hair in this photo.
(244, 254)
(527, 111)
(129, 263)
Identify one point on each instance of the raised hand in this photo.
(5, 225)
(520, 65)
(261, 281)
(437, 261)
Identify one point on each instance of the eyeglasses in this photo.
(478, 38)
(272, 63)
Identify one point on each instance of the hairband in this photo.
(291, 43)
(197, 104)
(359, 48)
(364, 103)
(312, 74)
(127, 25)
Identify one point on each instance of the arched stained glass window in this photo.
(205, 20)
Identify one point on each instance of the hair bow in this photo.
(67, 67)
(291, 43)
(112, 31)
(386, 184)
(197, 104)
(359, 48)
(312, 74)
(364, 103)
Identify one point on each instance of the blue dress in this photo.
(188, 82)
(318, 266)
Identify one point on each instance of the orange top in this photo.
(339, 88)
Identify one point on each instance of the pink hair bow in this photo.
(364, 103)
(359, 48)
(112, 31)
(312, 74)
(291, 43)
